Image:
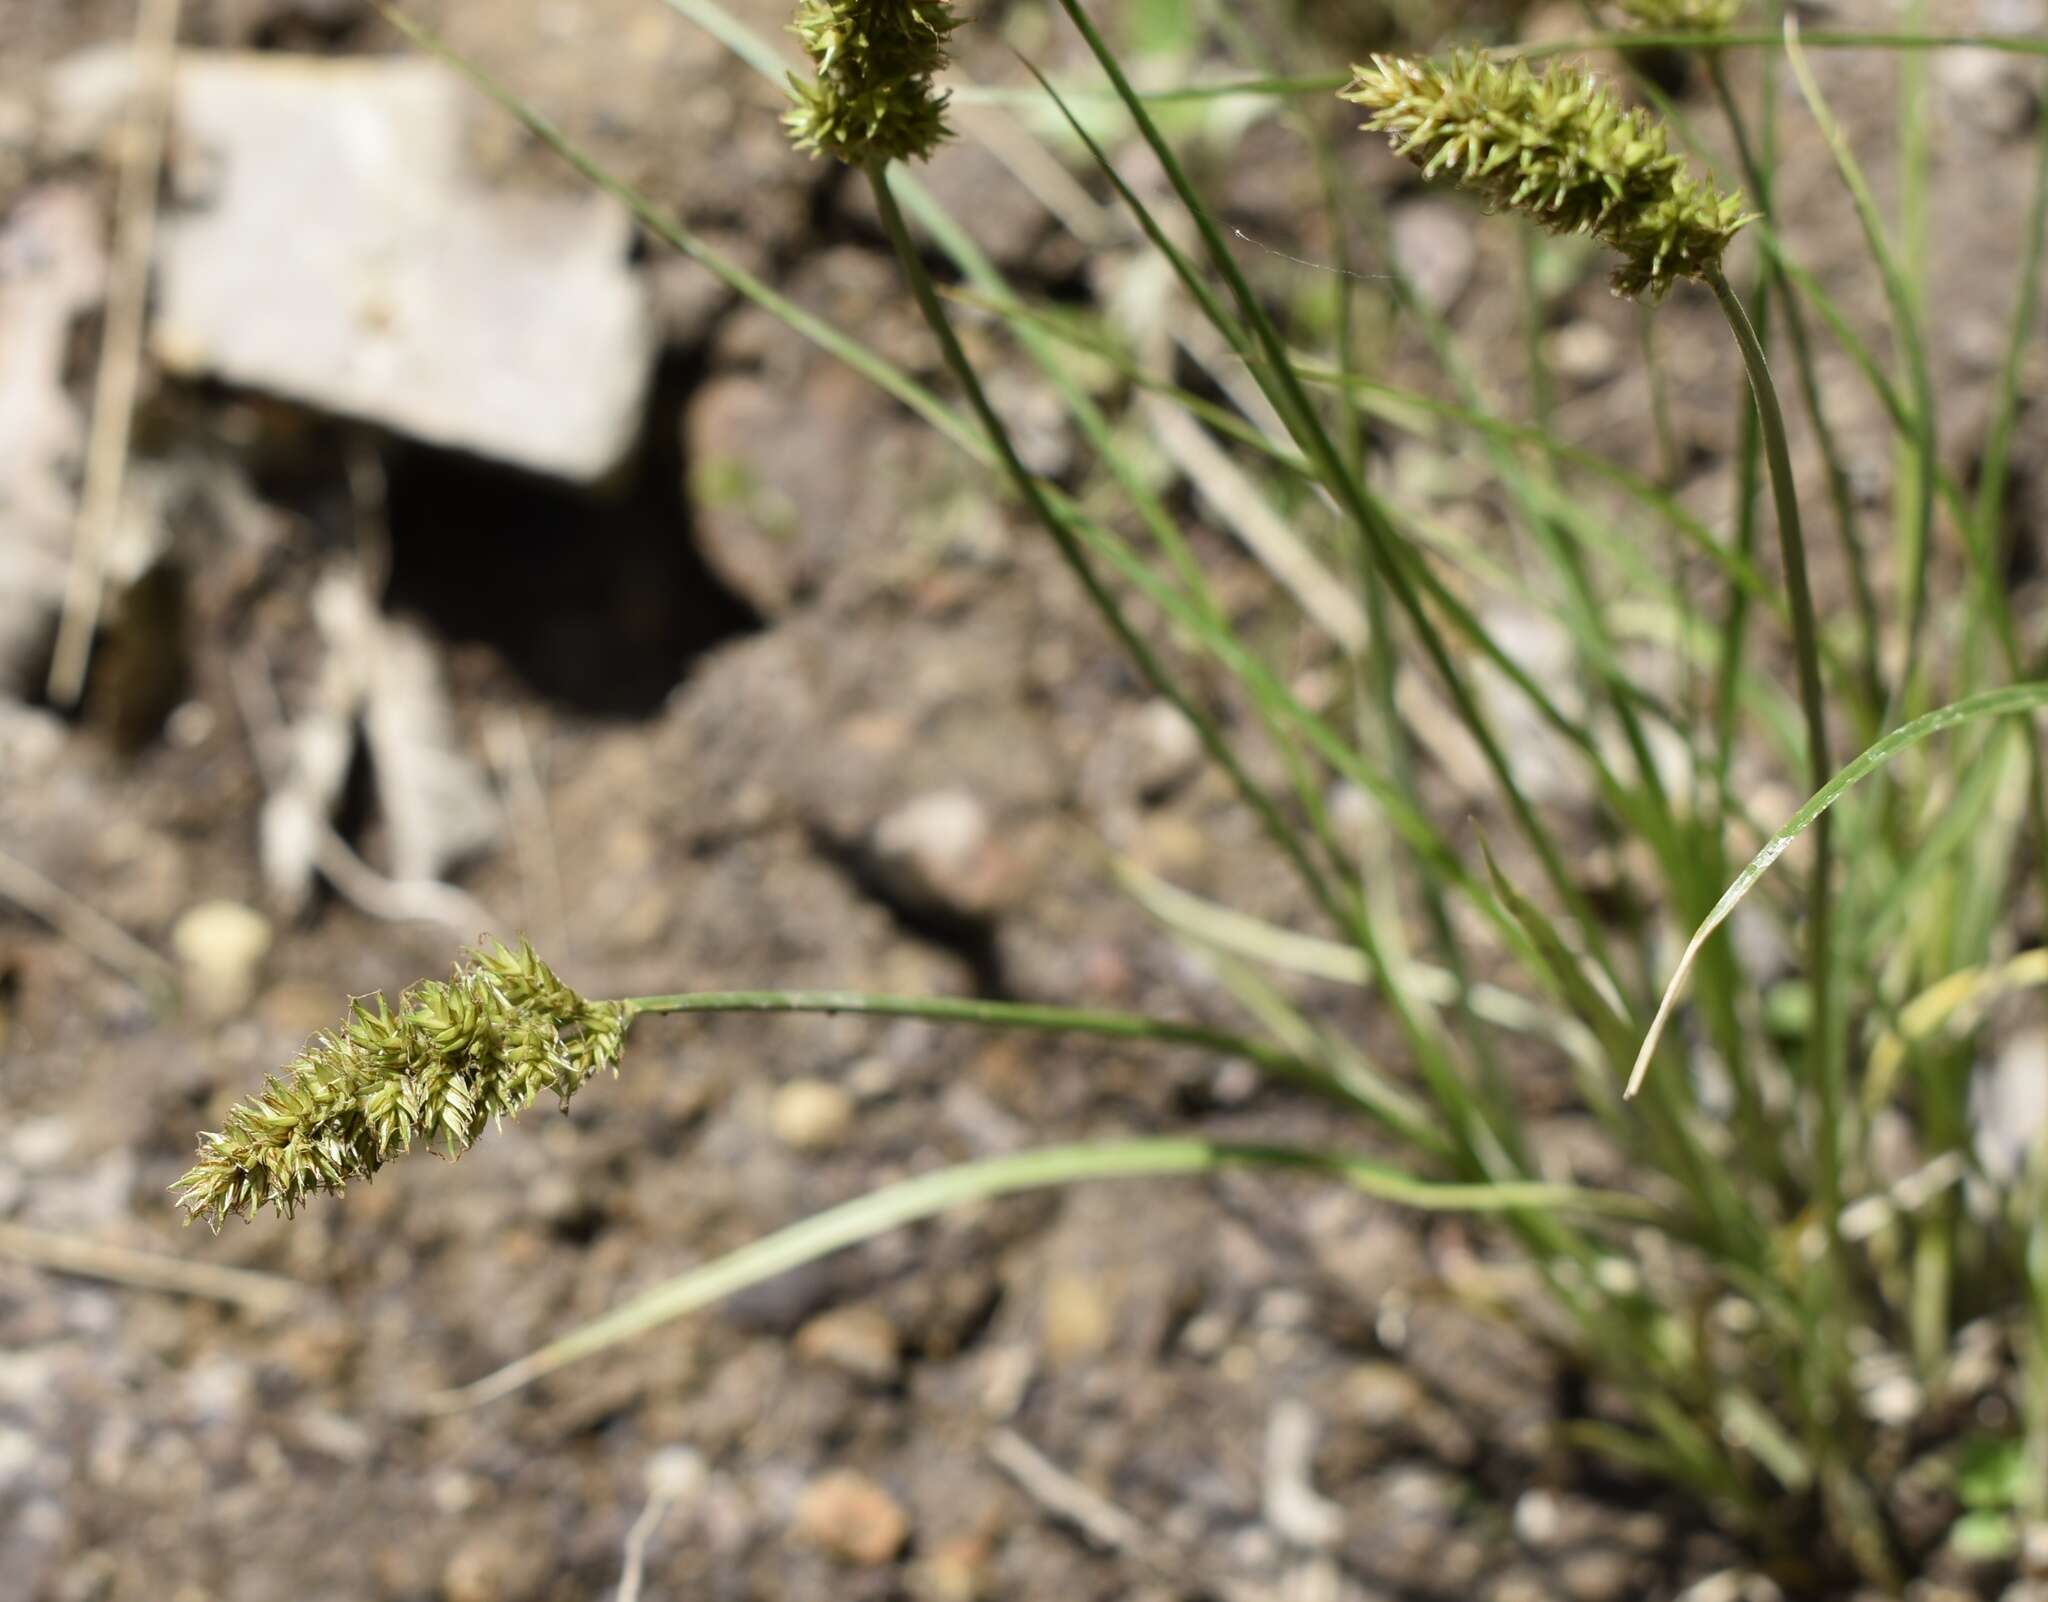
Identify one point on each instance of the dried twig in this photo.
(120, 366)
(265, 1295)
(675, 1475)
(97, 935)
(1065, 1497)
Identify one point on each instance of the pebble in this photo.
(1382, 1395)
(1538, 1519)
(41, 1144)
(848, 1515)
(1597, 1574)
(959, 1570)
(220, 947)
(17, 1456)
(1583, 351)
(937, 851)
(1433, 244)
(1078, 1319)
(857, 1340)
(1990, 90)
(2008, 1103)
(485, 1568)
(811, 1115)
(367, 303)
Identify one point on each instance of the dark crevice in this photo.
(597, 598)
(970, 938)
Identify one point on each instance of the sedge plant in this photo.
(1808, 1205)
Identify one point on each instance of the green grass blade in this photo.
(1917, 523)
(927, 1195)
(2007, 702)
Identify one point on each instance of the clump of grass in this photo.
(1779, 1247)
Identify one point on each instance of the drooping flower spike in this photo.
(451, 1059)
(873, 99)
(1560, 148)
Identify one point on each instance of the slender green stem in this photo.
(1072, 551)
(1050, 1020)
(1919, 471)
(1813, 705)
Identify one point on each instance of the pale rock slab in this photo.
(329, 242)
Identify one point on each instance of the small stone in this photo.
(1433, 245)
(487, 1567)
(1517, 1585)
(1538, 1519)
(17, 1457)
(1079, 1318)
(676, 1474)
(858, 1340)
(416, 295)
(937, 851)
(848, 1515)
(958, 1570)
(2008, 1104)
(1597, 1574)
(220, 947)
(1382, 1395)
(42, 1144)
(1583, 351)
(1988, 89)
(811, 1115)
(1170, 845)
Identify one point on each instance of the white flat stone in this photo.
(330, 244)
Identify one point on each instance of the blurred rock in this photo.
(848, 1515)
(1433, 246)
(220, 946)
(17, 1457)
(857, 1340)
(493, 1565)
(1991, 91)
(937, 852)
(1582, 350)
(958, 1570)
(1598, 1574)
(2008, 1102)
(1078, 1319)
(492, 320)
(1146, 753)
(811, 1115)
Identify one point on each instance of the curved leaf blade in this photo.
(2017, 698)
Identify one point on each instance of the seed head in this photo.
(1560, 148)
(873, 98)
(452, 1058)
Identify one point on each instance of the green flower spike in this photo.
(1560, 148)
(452, 1058)
(873, 99)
